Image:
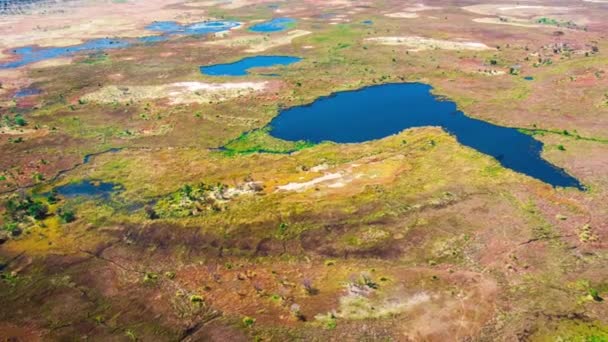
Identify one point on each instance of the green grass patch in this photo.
(565, 133)
(574, 331)
(257, 141)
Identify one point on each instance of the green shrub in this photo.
(66, 215)
(248, 321)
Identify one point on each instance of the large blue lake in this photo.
(242, 66)
(379, 111)
(29, 54)
(274, 25)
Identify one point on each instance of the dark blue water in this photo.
(529, 78)
(29, 54)
(25, 92)
(274, 25)
(87, 158)
(241, 67)
(379, 111)
(88, 188)
(368, 22)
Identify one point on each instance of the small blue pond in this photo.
(88, 188)
(274, 25)
(87, 158)
(241, 67)
(529, 78)
(25, 92)
(367, 22)
(379, 111)
(205, 27)
(29, 54)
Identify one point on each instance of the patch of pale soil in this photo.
(181, 92)
(507, 21)
(414, 43)
(21, 131)
(420, 8)
(516, 10)
(492, 72)
(258, 43)
(410, 12)
(75, 24)
(402, 15)
(226, 4)
(365, 171)
(319, 168)
(355, 306)
(51, 63)
(307, 185)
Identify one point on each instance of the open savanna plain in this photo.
(214, 230)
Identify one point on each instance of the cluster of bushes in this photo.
(20, 210)
(190, 201)
(13, 121)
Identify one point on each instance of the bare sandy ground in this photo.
(258, 43)
(507, 21)
(516, 10)
(411, 11)
(402, 15)
(414, 43)
(178, 93)
(99, 19)
(227, 4)
(294, 186)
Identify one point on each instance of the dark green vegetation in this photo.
(260, 141)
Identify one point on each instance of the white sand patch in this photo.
(258, 43)
(420, 8)
(307, 185)
(179, 93)
(492, 72)
(402, 15)
(410, 12)
(319, 168)
(337, 185)
(414, 43)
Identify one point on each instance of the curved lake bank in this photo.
(379, 111)
(242, 66)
